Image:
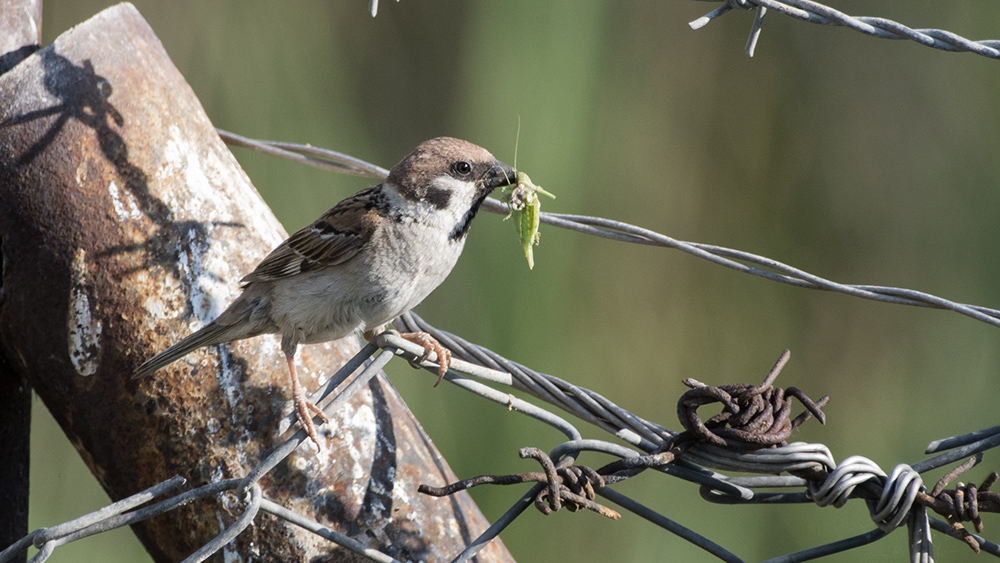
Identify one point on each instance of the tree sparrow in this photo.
(369, 259)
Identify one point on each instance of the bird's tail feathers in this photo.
(212, 333)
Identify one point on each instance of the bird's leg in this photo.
(371, 334)
(431, 344)
(303, 408)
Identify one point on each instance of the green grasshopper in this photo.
(521, 198)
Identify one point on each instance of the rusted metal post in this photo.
(126, 223)
(20, 31)
(20, 35)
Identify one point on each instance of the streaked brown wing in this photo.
(333, 239)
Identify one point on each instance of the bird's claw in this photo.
(305, 411)
(430, 344)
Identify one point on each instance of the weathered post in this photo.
(126, 223)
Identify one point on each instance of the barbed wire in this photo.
(795, 458)
(738, 260)
(893, 499)
(756, 414)
(814, 12)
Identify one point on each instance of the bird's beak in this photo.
(499, 175)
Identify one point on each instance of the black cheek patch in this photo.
(462, 228)
(438, 197)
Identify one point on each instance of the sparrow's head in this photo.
(451, 176)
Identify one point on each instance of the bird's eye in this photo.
(461, 167)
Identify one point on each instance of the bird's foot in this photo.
(305, 411)
(430, 344)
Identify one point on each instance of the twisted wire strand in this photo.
(898, 495)
(738, 260)
(895, 505)
(769, 269)
(814, 12)
(578, 401)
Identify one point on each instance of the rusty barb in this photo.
(757, 417)
(753, 416)
(964, 502)
(574, 486)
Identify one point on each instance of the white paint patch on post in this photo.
(83, 329)
(125, 207)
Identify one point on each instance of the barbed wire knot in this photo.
(753, 416)
(964, 502)
(574, 486)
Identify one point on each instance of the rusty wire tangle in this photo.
(748, 436)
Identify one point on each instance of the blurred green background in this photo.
(861, 160)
